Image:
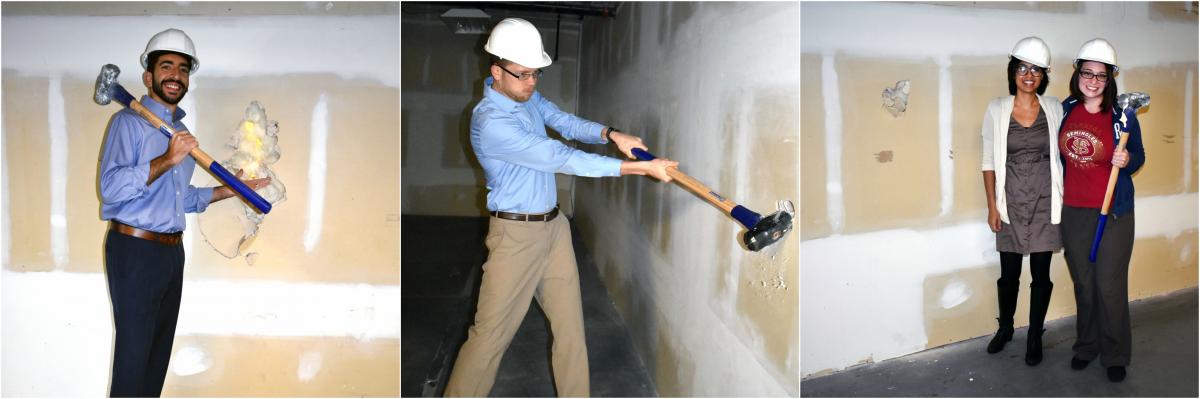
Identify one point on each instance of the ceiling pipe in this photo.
(591, 9)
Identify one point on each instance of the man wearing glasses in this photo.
(529, 249)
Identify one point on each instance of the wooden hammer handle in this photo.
(700, 189)
(1112, 177)
(201, 157)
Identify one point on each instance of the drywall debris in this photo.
(230, 229)
(895, 99)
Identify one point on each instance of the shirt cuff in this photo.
(142, 173)
(613, 167)
(203, 198)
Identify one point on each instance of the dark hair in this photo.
(1013, 63)
(152, 59)
(501, 62)
(1110, 86)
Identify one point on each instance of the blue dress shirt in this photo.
(519, 160)
(129, 146)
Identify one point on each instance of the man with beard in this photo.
(145, 192)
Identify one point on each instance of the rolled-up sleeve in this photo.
(197, 199)
(572, 127)
(503, 138)
(122, 175)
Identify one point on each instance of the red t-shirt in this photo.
(1087, 144)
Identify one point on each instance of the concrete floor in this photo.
(1164, 363)
(440, 268)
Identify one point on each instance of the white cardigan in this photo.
(995, 149)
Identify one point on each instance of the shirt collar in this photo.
(498, 97)
(161, 110)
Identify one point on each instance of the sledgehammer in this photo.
(1128, 102)
(761, 231)
(108, 89)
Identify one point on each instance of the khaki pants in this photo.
(525, 259)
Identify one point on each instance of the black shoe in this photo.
(1116, 373)
(1033, 348)
(1003, 335)
(1079, 364)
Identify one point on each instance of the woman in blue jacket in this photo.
(1087, 140)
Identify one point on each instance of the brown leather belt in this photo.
(166, 239)
(521, 217)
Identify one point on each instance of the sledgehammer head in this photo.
(107, 88)
(768, 230)
(104, 82)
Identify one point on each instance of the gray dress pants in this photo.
(1102, 288)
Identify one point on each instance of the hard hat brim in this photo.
(195, 63)
(1038, 64)
(1078, 60)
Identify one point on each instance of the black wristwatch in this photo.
(608, 131)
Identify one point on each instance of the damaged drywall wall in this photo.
(229, 227)
(708, 317)
(290, 320)
(926, 249)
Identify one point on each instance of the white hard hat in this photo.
(1097, 50)
(172, 40)
(1032, 50)
(517, 40)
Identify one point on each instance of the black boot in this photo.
(1039, 301)
(1006, 293)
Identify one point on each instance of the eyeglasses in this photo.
(1100, 77)
(524, 76)
(1024, 69)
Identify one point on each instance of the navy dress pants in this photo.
(145, 282)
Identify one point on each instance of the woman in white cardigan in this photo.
(1020, 156)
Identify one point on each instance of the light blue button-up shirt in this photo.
(129, 146)
(519, 160)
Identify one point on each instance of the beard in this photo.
(158, 89)
(518, 94)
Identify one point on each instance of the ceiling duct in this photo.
(467, 21)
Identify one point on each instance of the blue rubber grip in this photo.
(1096, 241)
(120, 94)
(245, 192)
(642, 155)
(745, 216)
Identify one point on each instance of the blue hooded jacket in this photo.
(1122, 202)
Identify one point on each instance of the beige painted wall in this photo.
(713, 86)
(443, 77)
(903, 243)
(316, 322)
